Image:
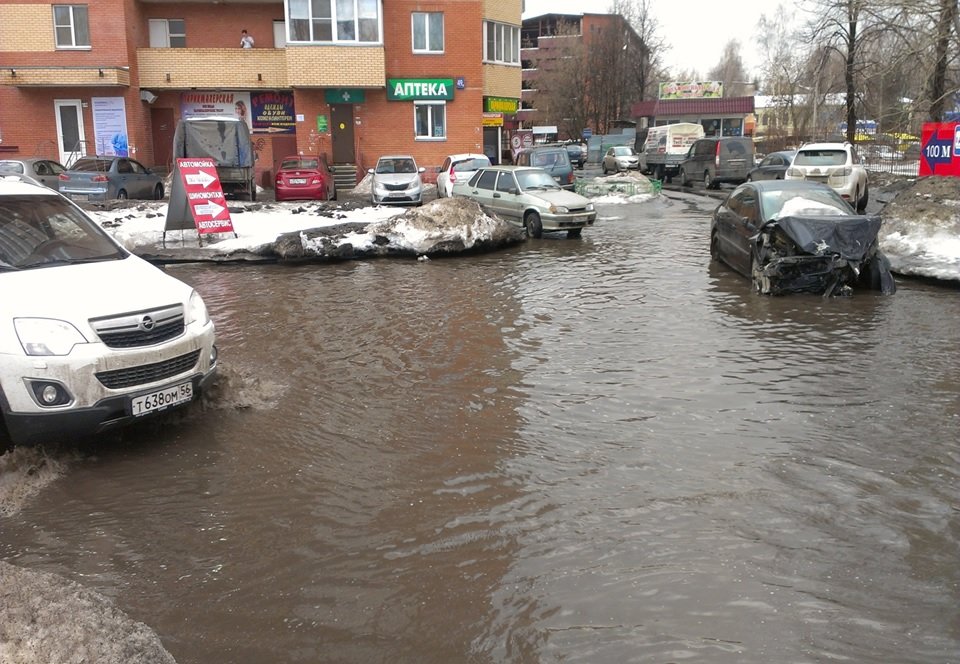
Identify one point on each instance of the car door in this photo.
(745, 227)
(483, 186)
(507, 198)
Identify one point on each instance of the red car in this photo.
(305, 177)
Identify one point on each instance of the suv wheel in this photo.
(863, 200)
(708, 182)
(684, 180)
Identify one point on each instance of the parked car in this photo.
(91, 336)
(107, 178)
(45, 171)
(458, 167)
(304, 177)
(530, 197)
(772, 167)
(396, 181)
(717, 159)
(554, 159)
(791, 236)
(620, 158)
(577, 153)
(835, 165)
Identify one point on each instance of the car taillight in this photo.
(64, 177)
(570, 178)
(453, 177)
(99, 178)
(716, 158)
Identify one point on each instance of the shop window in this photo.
(427, 32)
(168, 33)
(430, 119)
(501, 43)
(333, 20)
(732, 127)
(71, 26)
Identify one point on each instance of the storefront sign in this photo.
(492, 120)
(344, 96)
(691, 89)
(110, 126)
(500, 105)
(322, 126)
(408, 89)
(939, 144)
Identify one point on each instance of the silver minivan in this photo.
(718, 159)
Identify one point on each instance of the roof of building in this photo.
(660, 107)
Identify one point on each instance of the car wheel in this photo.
(122, 195)
(158, 193)
(708, 181)
(863, 200)
(684, 180)
(534, 226)
(333, 194)
(605, 171)
(574, 233)
(749, 177)
(714, 246)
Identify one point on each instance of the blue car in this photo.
(108, 178)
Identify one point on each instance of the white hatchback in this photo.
(91, 336)
(458, 168)
(835, 165)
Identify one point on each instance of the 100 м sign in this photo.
(939, 146)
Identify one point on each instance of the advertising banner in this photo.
(522, 138)
(939, 143)
(110, 126)
(273, 112)
(691, 89)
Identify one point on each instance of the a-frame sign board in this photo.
(196, 200)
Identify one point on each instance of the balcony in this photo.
(319, 66)
(218, 68)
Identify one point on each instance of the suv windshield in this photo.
(820, 158)
(42, 230)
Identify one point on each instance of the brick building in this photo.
(352, 79)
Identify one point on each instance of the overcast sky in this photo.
(696, 30)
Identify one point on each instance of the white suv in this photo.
(835, 165)
(91, 336)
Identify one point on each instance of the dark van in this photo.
(718, 159)
(553, 159)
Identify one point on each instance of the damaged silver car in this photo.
(799, 237)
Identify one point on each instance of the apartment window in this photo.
(501, 43)
(168, 33)
(333, 20)
(427, 32)
(71, 26)
(430, 119)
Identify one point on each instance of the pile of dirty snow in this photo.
(921, 228)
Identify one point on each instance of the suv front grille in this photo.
(143, 328)
(148, 373)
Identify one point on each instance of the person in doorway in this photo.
(246, 40)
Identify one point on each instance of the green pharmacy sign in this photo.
(408, 89)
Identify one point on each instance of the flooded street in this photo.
(602, 450)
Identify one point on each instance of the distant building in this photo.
(542, 40)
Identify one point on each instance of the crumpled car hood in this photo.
(849, 237)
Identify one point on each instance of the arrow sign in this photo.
(209, 209)
(201, 178)
(938, 149)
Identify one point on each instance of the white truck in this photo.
(667, 145)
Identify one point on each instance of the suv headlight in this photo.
(47, 336)
(413, 185)
(559, 209)
(197, 310)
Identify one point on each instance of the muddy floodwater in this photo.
(602, 450)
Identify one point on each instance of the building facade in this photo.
(353, 79)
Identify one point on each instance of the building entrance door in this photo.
(70, 138)
(161, 122)
(341, 133)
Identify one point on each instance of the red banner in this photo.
(205, 196)
(939, 148)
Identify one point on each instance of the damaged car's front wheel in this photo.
(761, 282)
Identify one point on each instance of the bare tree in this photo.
(946, 28)
(730, 70)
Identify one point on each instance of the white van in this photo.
(91, 336)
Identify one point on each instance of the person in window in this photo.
(246, 40)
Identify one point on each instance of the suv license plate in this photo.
(168, 396)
